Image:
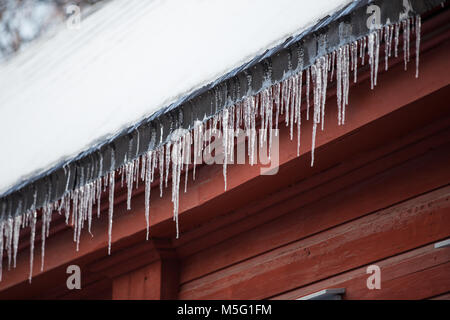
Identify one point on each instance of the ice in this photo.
(187, 156)
(396, 38)
(168, 161)
(298, 109)
(406, 42)
(177, 163)
(418, 28)
(129, 173)
(32, 238)
(99, 195)
(8, 238)
(111, 199)
(17, 226)
(148, 181)
(339, 83)
(308, 81)
(281, 98)
(316, 76)
(372, 58)
(324, 77)
(355, 61)
(225, 144)
(387, 47)
(161, 170)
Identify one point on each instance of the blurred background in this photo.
(22, 21)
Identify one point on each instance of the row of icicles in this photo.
(284, 98)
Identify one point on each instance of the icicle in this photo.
(324, 70)
(90, 195)
(268, 105)
(292, 97)
(285, 100)
(32, 238)
(17, 225)
(143, 166)
(196, 129)
(187, 158)
(339, 84)
(418, 31)
(122, 174)
(406, 42)
(148, 183)
(129, 172)
(252, 114)
(99, 194)
(346, 81)
(377, 55)
(355, 61)
(176, 173)
(386, 47)
(372, 58)
(225, 144)
(316, 76)
(391, 36)
(136, 169)
(75, 213)
(167, 162)
(298, 109)
(111, 208)
(396, 38)
(112, 176)
(333, 63)
(276, 95)
(8, 238)
(161, 170)
(308, 80)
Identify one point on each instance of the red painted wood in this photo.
(156, 281)
(418, 274)
(385, 233)
(144, 283)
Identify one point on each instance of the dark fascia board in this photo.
(345, 26)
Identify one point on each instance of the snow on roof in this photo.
(129, 59)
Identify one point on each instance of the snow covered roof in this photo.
(81, 87)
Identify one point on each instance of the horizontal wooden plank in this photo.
(418, 274)
(386, 233)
